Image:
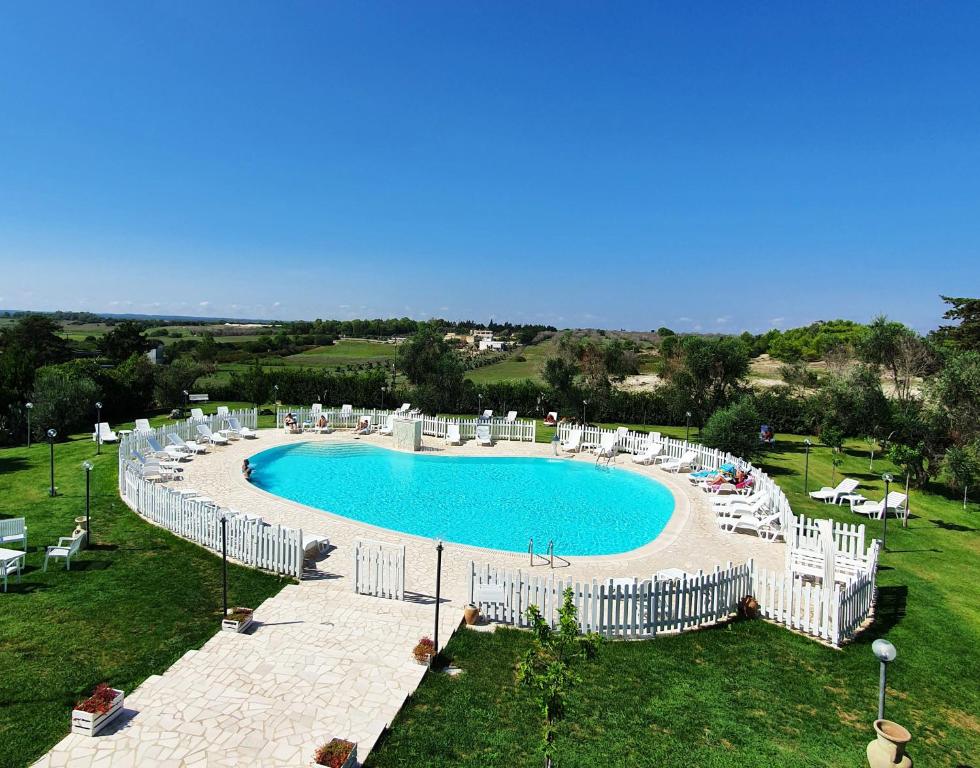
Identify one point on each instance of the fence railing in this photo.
(632, 608)
(379, 569)
(271, 548)
(434, 426)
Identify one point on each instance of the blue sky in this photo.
(706, 167)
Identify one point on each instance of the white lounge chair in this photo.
(314, 545)
(156, 470)
(878, 509)
(551, 420)
(346, 411)
(830, 495)
(487, 414)
(734, 506)
(235, 426)
(649, 454)
(607, 446)
(178, 442)
(483, 435)
(142, 426)
(766, 528)
(452, 435)
(315, 411)
(404, 408)
(215, 439)
(107, 435)
(574, 442)
(685, 462)
(511, 417)
(222, 412)
(168, 452)
(67, 547)
(10, 567)
(12, 531)
(197, 415)
(389, 426)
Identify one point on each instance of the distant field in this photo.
(344, 352)
(532, 367)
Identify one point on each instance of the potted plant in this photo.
(336, 753)
(237, 620)
(471, 614)
(97, 711)
(424, 650)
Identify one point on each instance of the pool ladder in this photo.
(548, 558)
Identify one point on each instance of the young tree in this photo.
(170, 381)
(123, 341)
(711, 373)
(734, 429)
(965, 335)
(961, 467)
(548, 667)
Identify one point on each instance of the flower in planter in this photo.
(99, 702)
(239, 614)
(424, 651)
(334, 753)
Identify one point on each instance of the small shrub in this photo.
(748, 607)
(334, 753)
(519, 359)
(99, 702)
(424, 651)
(239, 614)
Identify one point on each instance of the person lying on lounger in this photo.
(363, 427)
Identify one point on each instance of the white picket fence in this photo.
(433, 426)
(632, 608)
(627, 608)
(379, 569)
(271, 548)
(706, 458)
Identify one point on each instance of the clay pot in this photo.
(471, 614)
(888, 750)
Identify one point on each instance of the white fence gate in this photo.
(379, 569)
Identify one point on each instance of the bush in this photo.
(734, 429)
(64, 398)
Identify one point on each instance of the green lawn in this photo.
(130, 606)
(344, 352)
(532, 367)
(749, 693)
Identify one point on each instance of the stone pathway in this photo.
(321, 662)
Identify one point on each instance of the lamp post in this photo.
(98, 429)
(885, 652)
(383, 390)
(438, 595)
(479, 400)
(224, 565)
(584, 404)
(392, 377)
(687, 429)
(884, 513)
(87, 466)
(30, 407)
(275, 394)
(52, 434)
(186, 399)
(806, 465)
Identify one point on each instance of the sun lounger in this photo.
(168, 452)
(142, 426)
(607, 446)
(685, 462)
(215, 439)
(197, 415)
(649, 453)
(878, 509)
(222, 412)
(178, 442)
(551, 419)
(766, 528)
(366, 429)
(487, 415)
(104, 434)
(452, 435)
(574, 442)
(389, 426)
(733, 506)
(235, 426)
(831, 495)
(483, 435)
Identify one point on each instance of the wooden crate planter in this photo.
(237, 620)
(91, 723)
(332, 752)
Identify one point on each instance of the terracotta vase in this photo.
(888, 750)
(471, 614)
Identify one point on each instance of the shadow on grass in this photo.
(952, 526)
(890, 609)
(12, 464)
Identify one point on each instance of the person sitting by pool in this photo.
(290, 423)
(363, 426)
(322, 422)
(247, 470)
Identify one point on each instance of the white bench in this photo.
(197, 398)
(12, 531)
(67, 547)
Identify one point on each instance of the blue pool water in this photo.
(494, 502)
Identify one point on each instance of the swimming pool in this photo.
(485, 501)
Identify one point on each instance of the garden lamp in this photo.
(98, 428)
(87, 466)
(275, 393)
(885, 652)
(439, 549)
(687, 429)
(52, 434)
(186, 397)
(584, 403)
(30, 407)
(224, 564)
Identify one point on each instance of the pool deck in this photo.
(323, 662)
